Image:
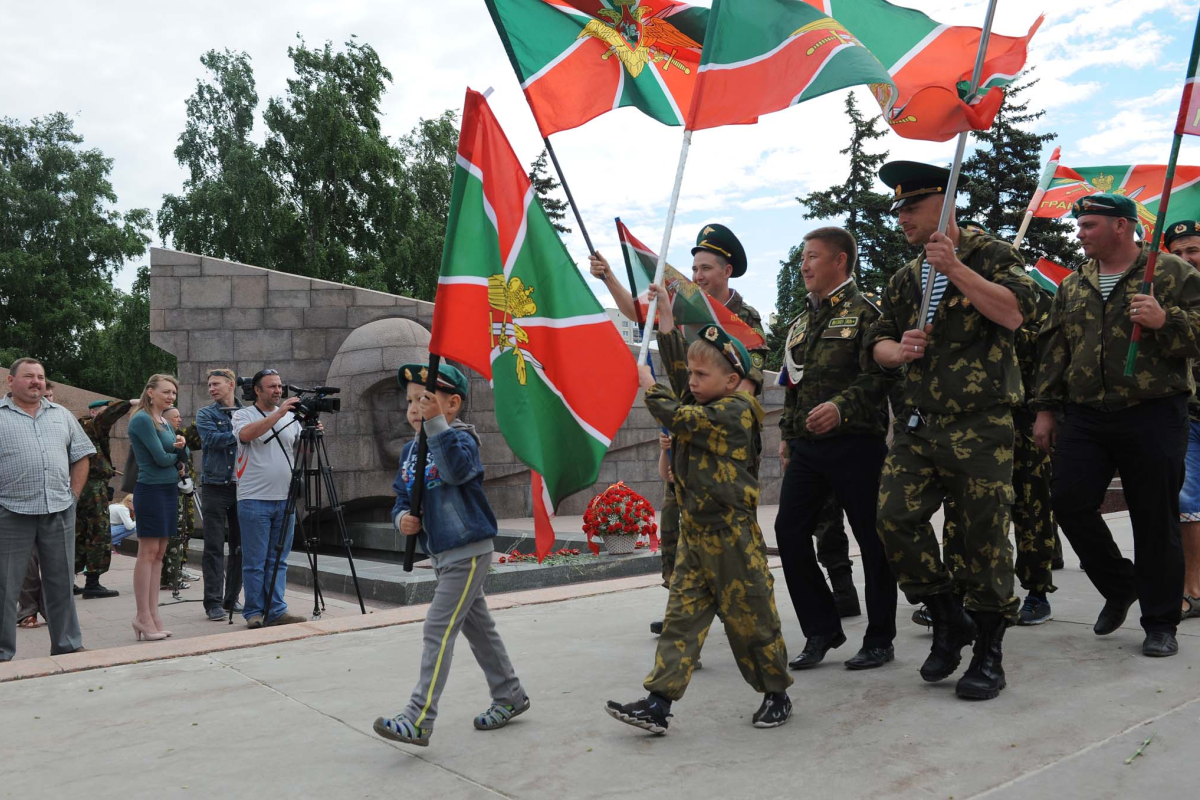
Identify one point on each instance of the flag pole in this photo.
(948, 201)
(418, 491)
(1164, 201)
(1035, 201)
(570, 198)
(644, 355)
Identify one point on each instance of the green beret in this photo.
(1185, 227)
(1105, 205)
(912, 179)
(98, 403)
(733, 350)
(974, 227)
(716, 238)
(450, 379)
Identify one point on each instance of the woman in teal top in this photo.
(160, 453)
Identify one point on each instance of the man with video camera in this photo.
(266, 435)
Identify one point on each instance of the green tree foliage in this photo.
(544, 185)
(121, 357)
(230, 208)
(61, 242)
(1001, 176)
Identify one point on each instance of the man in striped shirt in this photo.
(954, 436)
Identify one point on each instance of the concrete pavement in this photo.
(294, 718)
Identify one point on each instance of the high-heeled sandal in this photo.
(149, 636)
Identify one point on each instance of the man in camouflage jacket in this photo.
(93, 536)
(955, 432)
(834, 422)
(1135, 425)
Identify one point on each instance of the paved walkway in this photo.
(293, 718)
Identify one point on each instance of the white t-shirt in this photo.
(263, 470)
(118, 514)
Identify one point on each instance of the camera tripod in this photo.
(307, 481)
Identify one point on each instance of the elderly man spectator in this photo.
(44, 458)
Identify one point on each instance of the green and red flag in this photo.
(1048, 275)
(577, 59)
(761, 56)
(930, 65)
(512, 306)
(1141, 183)
(1189, 109)
(690, 305)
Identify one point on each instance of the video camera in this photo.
(310, 408)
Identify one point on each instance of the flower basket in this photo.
(619, 516)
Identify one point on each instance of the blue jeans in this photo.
(260, 522)
(1189, 497)
(120, 533)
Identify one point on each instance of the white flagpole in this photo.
(952, 184)
(644, 355)
(1043, 184)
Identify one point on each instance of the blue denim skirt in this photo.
(157, 508)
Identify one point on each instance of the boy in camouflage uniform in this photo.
(93, 538)
(1135, 425)
(955, 432)
(722, 558)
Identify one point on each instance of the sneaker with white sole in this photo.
(647, 714)
(1034, 611)
(775, 710)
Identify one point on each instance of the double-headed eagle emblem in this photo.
(637, 37)
(512, 300)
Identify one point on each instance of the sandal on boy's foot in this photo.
(1193, 607)
(401, 729)
(645, 714)
(497, 716)
(775, 710)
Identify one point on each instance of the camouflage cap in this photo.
(910, 180)
(1180, 229)
(450, 378)
(734, 351)
(98, 403)
(716, 238)
(1105, 205)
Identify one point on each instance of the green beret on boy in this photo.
(98, 403)
(716, 238)
(1180, 229)
(450, 379)
(1105, 205)
(734, 351)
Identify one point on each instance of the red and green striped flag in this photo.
(577, 59)
(930, 65)
(1189, 109)
(761, 56)
(1048, 275)
(690, 305)
(1141, 183)
(512, 306)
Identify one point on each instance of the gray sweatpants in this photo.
(54, 537)
(459, 604)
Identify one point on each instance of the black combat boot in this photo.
(845, 596)
(93, 590)
(952, 631)
(984, 679)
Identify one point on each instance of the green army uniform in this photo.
(93, 533)
(1038, 545)
(721, 562)
(177, 548)
(826, 362)
(1135, 425)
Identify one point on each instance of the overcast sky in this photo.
(1110, 75)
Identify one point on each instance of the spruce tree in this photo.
(543, 184)
(1001, 176)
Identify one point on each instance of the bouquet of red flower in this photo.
(619, 511)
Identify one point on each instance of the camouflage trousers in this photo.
(967, 458)
(724, 570)
(1038, 544)
(833, 545)
(668, 533)
(177, 546)
(93, 535)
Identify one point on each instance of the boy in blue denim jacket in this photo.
(456, 529)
